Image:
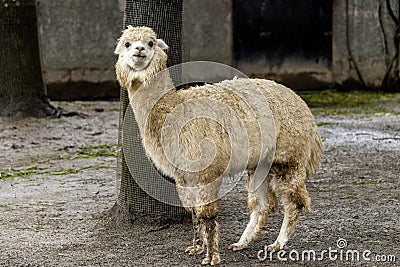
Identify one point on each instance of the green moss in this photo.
(39, 227)
(351, 102)
(64, 172)
(107, 150)
(47, 159)
(27, 172)
(24, 172)
(112, 109)
(364, 182)
(70, 171)
(326, 123)
(97, 151)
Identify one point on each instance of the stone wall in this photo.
(78, 38)
(208, 30)
(77, 42)
(363, 42)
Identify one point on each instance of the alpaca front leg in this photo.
(211, 238)
(207, 216)
(198, 232)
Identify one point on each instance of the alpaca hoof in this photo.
(194, 250)
(214, 260)
(274, 247)
(237, 246)
(206, 260)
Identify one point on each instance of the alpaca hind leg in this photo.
(258, 203)
(291, 216)
(292, 203)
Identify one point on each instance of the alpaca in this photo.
(181, 154)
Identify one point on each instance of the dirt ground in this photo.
(58, 180)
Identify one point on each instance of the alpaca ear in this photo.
(162, 44)
(117, 50)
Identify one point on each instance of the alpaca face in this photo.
(138, 54)
(137, 47)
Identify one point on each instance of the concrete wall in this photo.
(77, 39)
(359, 32)
(208, 29)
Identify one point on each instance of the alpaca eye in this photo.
(151, 43)
(127, 44)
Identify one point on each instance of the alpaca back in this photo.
(298, 139)
(214, 130)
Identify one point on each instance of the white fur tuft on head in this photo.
(130, 29)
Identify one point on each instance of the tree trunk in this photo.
(22, 91)
(165, 17)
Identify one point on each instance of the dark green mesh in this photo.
(165, 17)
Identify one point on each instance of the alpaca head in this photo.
(140, 55)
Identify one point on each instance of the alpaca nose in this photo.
(140, 48)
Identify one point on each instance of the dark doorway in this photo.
(283, 39)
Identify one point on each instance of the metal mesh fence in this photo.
(166, 18)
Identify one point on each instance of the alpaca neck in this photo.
(144, 96)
